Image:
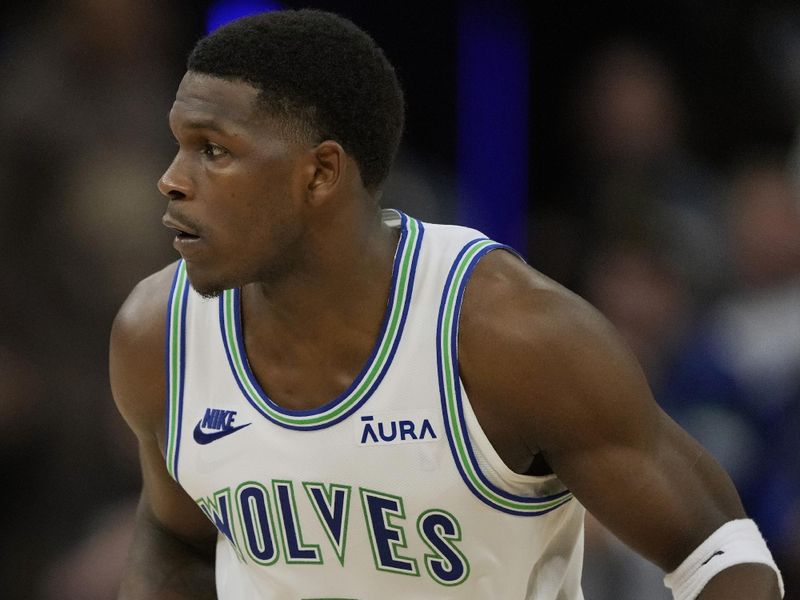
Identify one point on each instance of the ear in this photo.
(330, 164)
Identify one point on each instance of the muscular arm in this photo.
(172, 555)
(549, 377)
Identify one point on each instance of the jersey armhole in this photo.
(457, 413)
(175, 355)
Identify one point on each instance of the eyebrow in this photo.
(203, 123)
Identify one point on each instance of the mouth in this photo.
(186, 240)
(184, 235)
(182, 232)
(187, 244)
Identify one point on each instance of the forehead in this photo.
(204, 100)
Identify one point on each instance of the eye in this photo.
(212, 150)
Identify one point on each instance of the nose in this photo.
(175, 182)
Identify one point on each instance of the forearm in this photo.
(162, 567)
(745, 582)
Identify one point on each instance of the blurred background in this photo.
(643, 154)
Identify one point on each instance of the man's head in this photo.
(278, 116)
(318, 74)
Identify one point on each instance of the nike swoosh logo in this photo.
(201, 437)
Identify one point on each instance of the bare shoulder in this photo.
(539, 357)
(136, 354)
(508, 302)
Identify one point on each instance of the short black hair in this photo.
(319, 71)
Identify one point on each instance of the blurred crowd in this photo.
(697, 263)
(699, 269)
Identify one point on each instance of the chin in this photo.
(208, 294)
(207, 291)
(207, 287)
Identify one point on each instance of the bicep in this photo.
(552, 376)
(165, 502)
(631, 465)
(136, 364)
(662, 497)
(172, 554)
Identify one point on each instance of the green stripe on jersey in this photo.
(399, 300)
(175, 367)
(451, 381)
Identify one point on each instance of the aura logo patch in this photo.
(216, 424)
(396, 428)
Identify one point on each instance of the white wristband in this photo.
(734, 543)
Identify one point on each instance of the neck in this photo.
(341, 283)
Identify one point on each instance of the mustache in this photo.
(172, 218)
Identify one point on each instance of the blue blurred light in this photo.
(224, 11)
(493, 122)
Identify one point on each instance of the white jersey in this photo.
(389, 491)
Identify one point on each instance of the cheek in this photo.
(262, 209)
(271, 206)
(239, 212)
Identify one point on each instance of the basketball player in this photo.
(362, 405)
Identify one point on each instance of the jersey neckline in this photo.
(376, 366)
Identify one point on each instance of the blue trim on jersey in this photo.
(459, 400)
(167, 355)
(168, 367)
(184, 311)
(357, 381)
